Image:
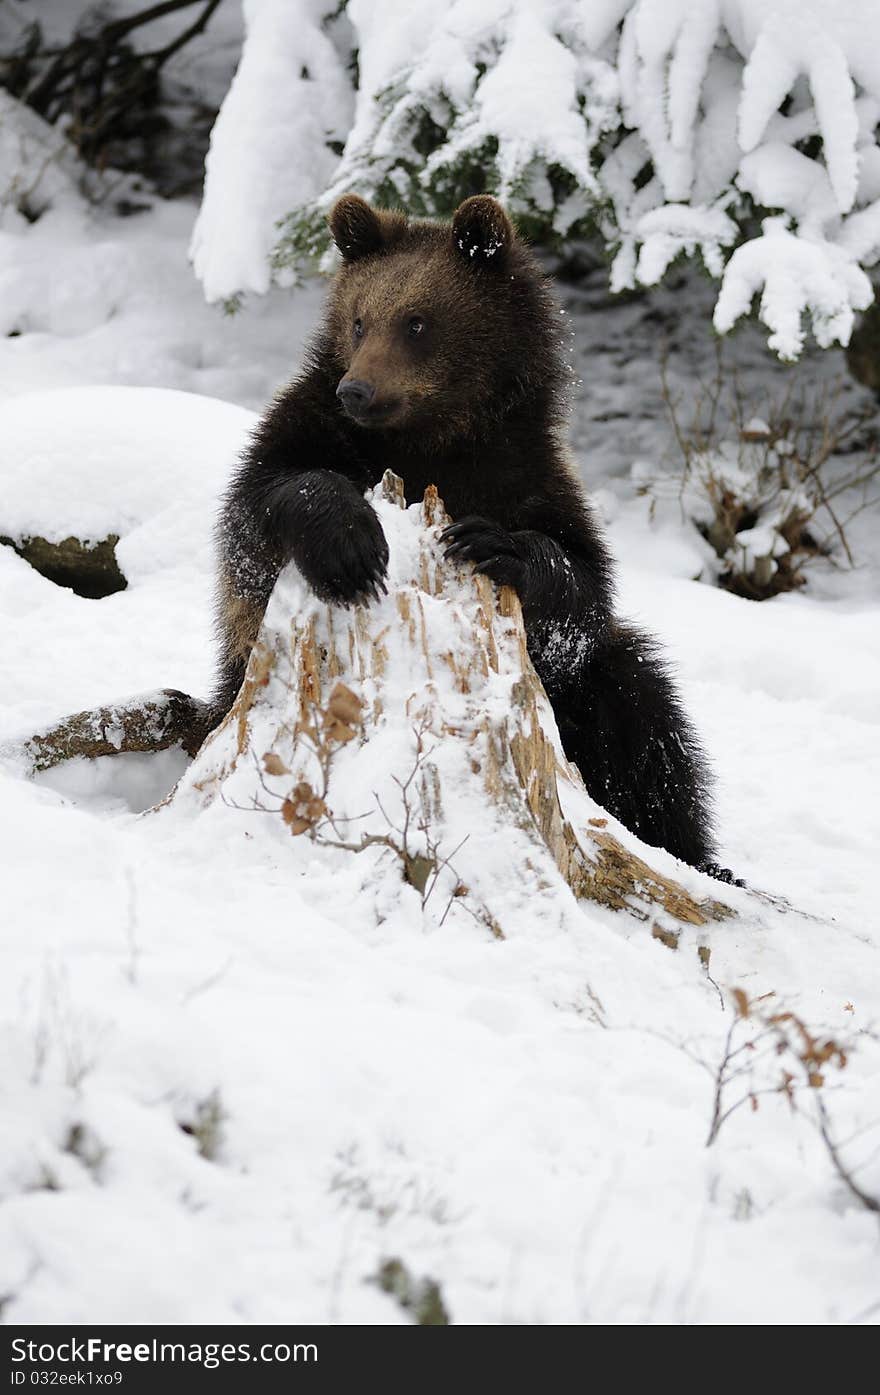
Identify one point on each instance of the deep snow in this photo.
(523, 1120)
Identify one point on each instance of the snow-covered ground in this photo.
(232, 1084)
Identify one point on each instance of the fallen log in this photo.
(148, 722)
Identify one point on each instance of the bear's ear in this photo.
(356, 227)
(482, 233)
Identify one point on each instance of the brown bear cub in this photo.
(440, 359)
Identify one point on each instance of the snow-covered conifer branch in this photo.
(665, 125)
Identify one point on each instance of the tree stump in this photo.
(417, 730)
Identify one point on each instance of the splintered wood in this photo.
(444, 652)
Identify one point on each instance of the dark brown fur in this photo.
(440, 358)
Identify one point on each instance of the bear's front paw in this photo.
(492, 549)
(348, 566)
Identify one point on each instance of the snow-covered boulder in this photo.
(104, 486)
(139, 470)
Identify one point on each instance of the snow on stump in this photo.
(416, 729)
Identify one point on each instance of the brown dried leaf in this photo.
(274, 765)
(417, 869)
(344, 706)
(669, 938)
(302, 809)
(295, 822)
(741, 1000)
(338, 731)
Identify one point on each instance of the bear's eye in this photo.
(415, 327)
(358, 329)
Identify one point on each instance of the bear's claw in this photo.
(491, 548)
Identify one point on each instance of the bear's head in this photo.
(437, 327)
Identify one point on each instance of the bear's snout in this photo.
(356, 397)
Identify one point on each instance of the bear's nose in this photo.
(355, 396)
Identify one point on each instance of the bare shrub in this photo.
(204, 1123)
(103, 86)
(421, 1299)
(770, 1050)
(66, 1040)
(774, 491)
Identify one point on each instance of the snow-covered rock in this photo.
(146, 465)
